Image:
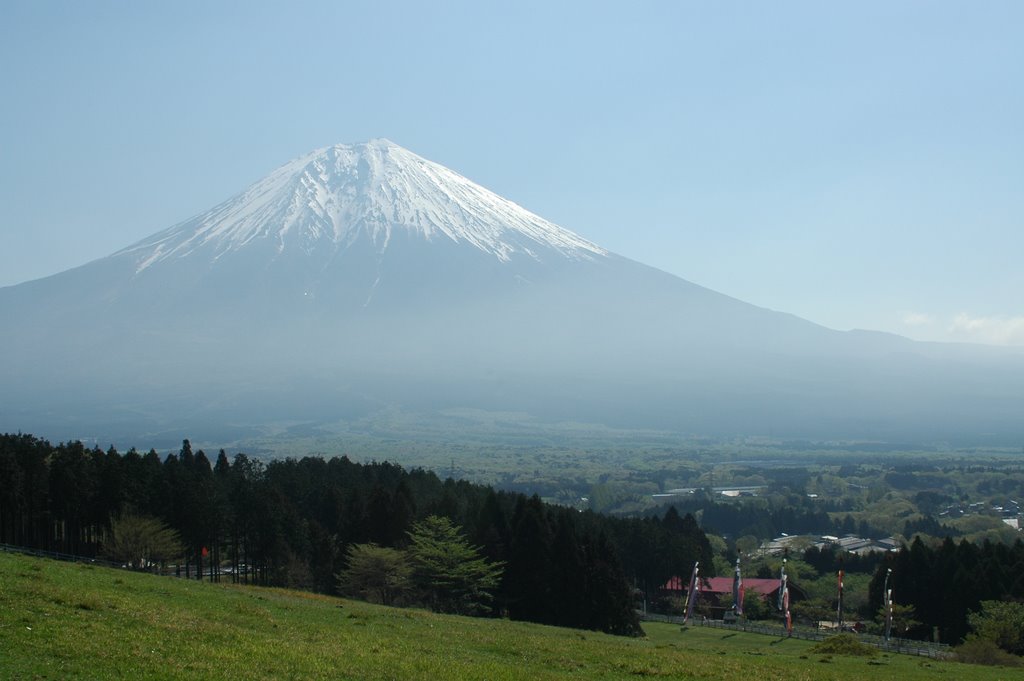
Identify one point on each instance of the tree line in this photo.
(293, 522)
(767, 518)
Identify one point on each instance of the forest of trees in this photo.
(944, 585)
(293, 523)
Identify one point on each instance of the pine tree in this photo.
(527, 584)
(451, 574)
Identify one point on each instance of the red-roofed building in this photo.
(716, 592)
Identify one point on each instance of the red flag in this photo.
(205, 552)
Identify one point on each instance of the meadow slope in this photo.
(78, 621)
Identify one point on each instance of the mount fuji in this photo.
(363, 277)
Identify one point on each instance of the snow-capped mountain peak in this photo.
(334, 196)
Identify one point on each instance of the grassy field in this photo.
(73, 621)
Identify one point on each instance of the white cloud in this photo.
(994, 330)
(917, 319)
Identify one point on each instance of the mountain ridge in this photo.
(362, 277)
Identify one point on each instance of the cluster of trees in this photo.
(438, 569)
(1001, 623)
(765, 518)
(945, 584)
(295, 523)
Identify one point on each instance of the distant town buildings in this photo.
(728, 492)
(849, 543)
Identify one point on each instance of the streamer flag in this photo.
(737, 590)
(691, 593)
(887, 596)
(839, 609)
(784, 597)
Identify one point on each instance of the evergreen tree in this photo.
(569, 585)
(527, 584)
(611, 607)
(451, 575)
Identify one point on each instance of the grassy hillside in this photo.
(66, 621)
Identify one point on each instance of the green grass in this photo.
(68, 621)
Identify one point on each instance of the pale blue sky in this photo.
(861, 166)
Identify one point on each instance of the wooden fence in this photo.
(894, 645)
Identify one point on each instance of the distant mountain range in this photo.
(364, 277)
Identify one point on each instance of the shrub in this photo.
(977, 650)
(844, 644)
(1001, 622)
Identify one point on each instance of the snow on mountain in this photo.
(336, 195)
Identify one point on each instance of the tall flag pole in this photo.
(784, 597)
(691, 594)
(782, 582)
(785, 605)
(839, 610)
(887, 599)
(737, 590)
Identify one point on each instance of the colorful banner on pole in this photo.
(782, 583)
(691, 593)
(887, 600)
(785, 609)
(839, 607)
(784, 597)
(737, 591)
